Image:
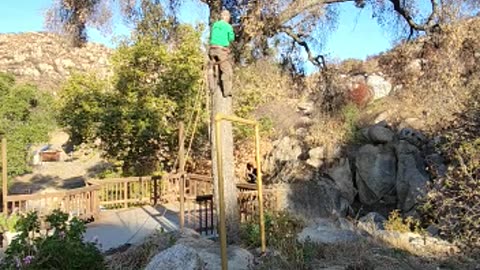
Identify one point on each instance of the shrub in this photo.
(255, 85)
(281, 231)
(26, 118)
(8, 222)
(396, 223)
(452, 201)
(350, 115)
(62, 247)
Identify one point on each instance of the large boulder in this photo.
(412, 136)
(379, 85)
(417, 244)
(316, 198)
(376, 170)
(343, 178)
(284, 150)
(290, 172)
(411, 175)
(378, 133)
(328, 231)
(196, 253)
(178, 257)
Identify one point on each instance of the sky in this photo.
(357, 36)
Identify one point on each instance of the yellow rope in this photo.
(197, 110)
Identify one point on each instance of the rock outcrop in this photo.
(192, 252)
(389, 169)
(47, 59)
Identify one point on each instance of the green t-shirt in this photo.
(222, 34)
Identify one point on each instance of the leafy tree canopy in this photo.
(25, 119)
(298, 26)
(155, 86)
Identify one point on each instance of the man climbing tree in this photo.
(221, 103)
(220, 38)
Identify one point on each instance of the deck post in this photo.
(4, 176)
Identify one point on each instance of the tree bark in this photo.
(224, 106)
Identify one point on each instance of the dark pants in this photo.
(221, 56)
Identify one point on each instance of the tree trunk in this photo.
(224, 106)
(215, 10)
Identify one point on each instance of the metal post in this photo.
(181, 158)
(221, 196)
(259, 187)
(4, 176)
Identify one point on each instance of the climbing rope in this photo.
(193, 124)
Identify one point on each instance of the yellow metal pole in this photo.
(221, 195)
(4, 175)
(259, 187)
(181, 157)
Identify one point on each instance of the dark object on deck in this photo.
(50, 155)
(206, 212)
(251, 173)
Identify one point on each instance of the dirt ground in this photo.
(68, 173)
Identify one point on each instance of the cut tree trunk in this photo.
(224, 106)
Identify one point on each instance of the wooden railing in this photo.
(199, 209)
(123, 192)
(81, 202)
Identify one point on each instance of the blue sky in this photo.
(357, 35)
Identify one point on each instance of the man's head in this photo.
(225, 15)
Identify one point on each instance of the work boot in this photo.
(227, 88)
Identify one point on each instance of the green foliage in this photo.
(155, 86)
(8, 222)
(396, 223)
(350, 115)
(62, 248)
(81, 106)
(26, 118)
(281, 231)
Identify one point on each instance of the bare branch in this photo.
(318, 60)
(397, 6)
(298, 7)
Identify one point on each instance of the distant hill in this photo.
(47, 59)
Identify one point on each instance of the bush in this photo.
(452, 201)
(8, 222)
(255, 85)
(62, 247)
(281, 231)
(26, 118)
(396, 223)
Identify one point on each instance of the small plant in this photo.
(350, 115)
(61, 247)
(396, 223)
(8, 222)
(281, 231)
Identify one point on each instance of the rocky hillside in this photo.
(47, 59)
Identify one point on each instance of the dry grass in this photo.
(367, 254)
(137, 257)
